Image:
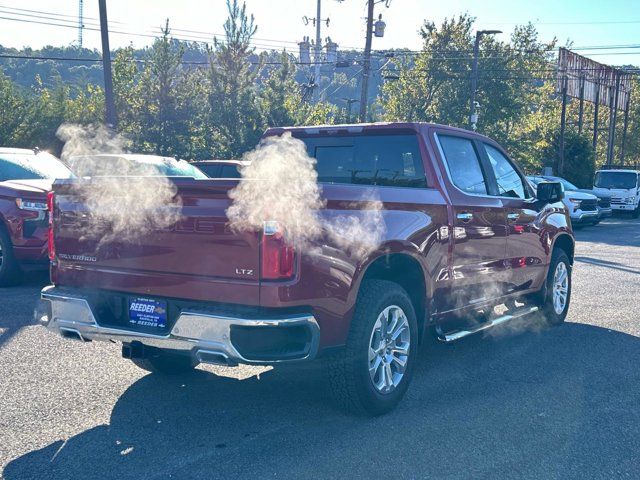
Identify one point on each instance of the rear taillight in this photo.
(50, 239)
(278, 258)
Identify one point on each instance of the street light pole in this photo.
(473, 114)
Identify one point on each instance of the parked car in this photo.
(582, 207)
(463, 233)
(604, 198)
(220, 168)
(128, 164)
(623, 186)
(25, 178)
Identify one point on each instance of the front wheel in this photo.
(372, 374)
(556, 296)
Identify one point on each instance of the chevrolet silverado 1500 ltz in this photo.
(463, 233)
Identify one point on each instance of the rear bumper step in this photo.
(209, 338)
(449, 337)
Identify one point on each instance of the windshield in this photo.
(26, 166)
(536, 180)
(136, 166)
(180, 168)
(624, 180)
(565, 183)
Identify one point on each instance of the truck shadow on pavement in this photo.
(552, 403)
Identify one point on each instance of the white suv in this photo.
(582, 207)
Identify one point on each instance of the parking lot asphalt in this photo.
(519, 402)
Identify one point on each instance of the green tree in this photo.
(282, 103)
(163, 120)
(12, 110)
(579, 159)
(234, 115)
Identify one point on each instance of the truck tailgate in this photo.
(196, 257)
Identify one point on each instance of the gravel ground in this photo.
(521, 402)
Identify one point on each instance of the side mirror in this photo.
(550, 192)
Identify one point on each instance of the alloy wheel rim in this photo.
(389, 346)
(560, 288)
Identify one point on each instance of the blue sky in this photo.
(587, 23)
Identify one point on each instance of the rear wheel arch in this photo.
(406, 271)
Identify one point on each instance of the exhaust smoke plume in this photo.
(125, 200)
(281, 184)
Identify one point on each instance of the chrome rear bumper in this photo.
(205, 335)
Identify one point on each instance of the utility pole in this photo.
(110, 108)
(350, 101)
(473, 113)
(612, 119)
(80, 22)
(563, 126)
(318, 50)
(366, 66)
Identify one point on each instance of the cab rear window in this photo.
(387, 160)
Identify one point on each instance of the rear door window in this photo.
(387, 160)
(229, 171)
(463, 164)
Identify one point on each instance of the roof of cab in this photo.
(19, 151)
(361, 127)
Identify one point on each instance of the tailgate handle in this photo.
(465, 216)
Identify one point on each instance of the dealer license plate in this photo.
(147, 312)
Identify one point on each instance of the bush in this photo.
(579, 158)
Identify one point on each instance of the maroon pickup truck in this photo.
(466, 246)
(25, 178)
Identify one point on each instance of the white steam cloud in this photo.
(125, 199)
(280, 184)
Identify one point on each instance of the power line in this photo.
(188, 35)
(205, 37)
(208, 35)
(137, 60)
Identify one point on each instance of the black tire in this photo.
(349, 382)
(165, 363)
(545, 299)
(636, 212)
(10, 273)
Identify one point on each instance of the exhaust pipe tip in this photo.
(214, 358)
(72, 334)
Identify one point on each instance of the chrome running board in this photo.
(449, 337)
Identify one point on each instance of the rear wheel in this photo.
(373, 372)
(9, 268)
(556, 296)
(165, 363)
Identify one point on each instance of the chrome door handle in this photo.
(465, 217)
(513, 216)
